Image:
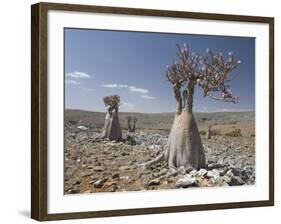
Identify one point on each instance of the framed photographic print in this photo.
(138, 111)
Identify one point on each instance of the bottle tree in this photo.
(132, 120)
(211, 72)
(112, 129)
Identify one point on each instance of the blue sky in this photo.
(133, 65)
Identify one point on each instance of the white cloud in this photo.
(72, 82)
(77, 75)
(148, 97)
(138, 90)
(133, 89)
(114, 85)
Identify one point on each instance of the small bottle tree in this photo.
(211, 73)
(132, 120)
(129, 120)
(209, 132)
(134, 124)
(112, 129)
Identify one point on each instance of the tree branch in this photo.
(211, 72)
(232, 100)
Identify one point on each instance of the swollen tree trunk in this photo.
(131, 123)
(184, 146)
(112, 128)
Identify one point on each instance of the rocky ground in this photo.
(95, 165)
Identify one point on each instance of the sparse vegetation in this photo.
(234, 133)
(202, 132)
(204, 119)
(216, 132)
(72, 122)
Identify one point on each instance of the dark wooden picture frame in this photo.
(39, 110)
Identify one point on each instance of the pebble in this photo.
(154, 182)
(113, 188)
(98, 168)
(82, 128)
(235, 181)
(193, 173)
(74, 191)
(202, 172)
(213, 173)
(99, 183)
(77, 182)
(123, 168)
(115, 175)
(186, 181)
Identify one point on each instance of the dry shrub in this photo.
(215, 132)
(202, 132)
(72, 122)
(234, 133)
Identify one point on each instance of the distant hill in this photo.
(161, 121)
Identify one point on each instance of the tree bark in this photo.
(178, 97)
(190, 87)
(184, 144)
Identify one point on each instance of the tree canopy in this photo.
(210, 71)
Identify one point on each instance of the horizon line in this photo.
(165, 112)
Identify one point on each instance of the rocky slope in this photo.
(95, 165)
